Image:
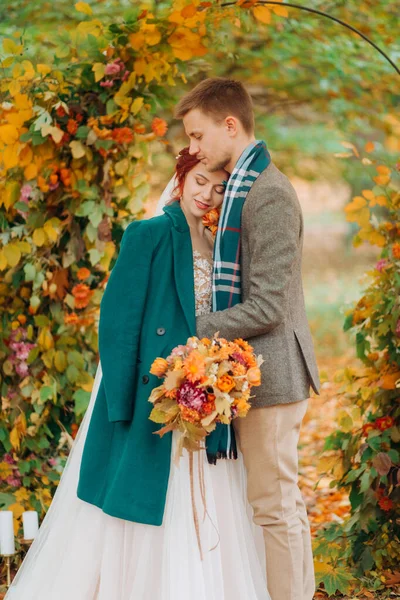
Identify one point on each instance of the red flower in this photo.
(159, 126)
(122, 135)
(386, 503)
(384, 423)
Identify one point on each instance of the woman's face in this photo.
(203, 190)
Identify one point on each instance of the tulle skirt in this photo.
(81, 552)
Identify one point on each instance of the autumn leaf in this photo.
(262, 14)
(84, 8)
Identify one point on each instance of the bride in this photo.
(121, 524)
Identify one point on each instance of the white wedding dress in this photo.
(80, 552)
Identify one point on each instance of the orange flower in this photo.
(22, 319)
(122, 135)
(254, 376)
(139, 128)
(244, 345)
(243, 406)
(171, 393)
(211, 218)
(396, 250)
(190, 415)
(250, 359)
(106, 119)
(82, 294)
(159, 367)
(194, 366)
(238, 370)
(83, 273)
(71, 319)
(208, 408)
(159, 126)
(205, 341)
(226, 383)
(373, 356)
(72, 126)
(367, 427)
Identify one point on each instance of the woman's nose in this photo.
(207, 191)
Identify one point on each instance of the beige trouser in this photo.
(268, 438)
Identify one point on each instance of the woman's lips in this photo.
(201, 206)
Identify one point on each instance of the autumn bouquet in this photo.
(205, 382)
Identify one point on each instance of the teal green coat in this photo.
(147, 309)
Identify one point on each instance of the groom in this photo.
(258, 296)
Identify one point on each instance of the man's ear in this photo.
(231, 124)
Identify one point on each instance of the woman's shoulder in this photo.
(153, 227)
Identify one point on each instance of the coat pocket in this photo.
(309, 359)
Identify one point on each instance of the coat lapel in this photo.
(183, 263)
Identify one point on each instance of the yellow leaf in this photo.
(282, 11)
(8, 134)
(55, 132)
(99, 71)
(30, 172)
(24, 246)
(5, 470)
(43, 69)
(263, 14)
(60, 361)
(83, 7)
(351, 147)
(77, 149)
(368, 194)
(326, 463)
(50, 231)
(388, 382)
(29, 69)
(7, 62)
(14, 88)
(45, 339)
(137, 105)
(3, 261)
(39, 237)
(11, 47)
(12, 254)
(357, 211)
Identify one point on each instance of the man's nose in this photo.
(193, 148)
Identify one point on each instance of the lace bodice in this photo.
(202, 282)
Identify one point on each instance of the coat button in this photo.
(145, 379)
(160, 331)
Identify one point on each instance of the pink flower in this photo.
(125, 75)
(398, 328)
(11, 480)
(107, 83)
(113, 68)
(190, 396)
(381, 264)
(52, 462)
(8, 459)
(22, 369)
(26, 191)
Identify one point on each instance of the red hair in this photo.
(185, 163)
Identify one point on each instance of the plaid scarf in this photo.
(227, 290)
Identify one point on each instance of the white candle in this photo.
(7, 545)
(30, 520)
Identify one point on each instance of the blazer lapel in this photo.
(183, 263)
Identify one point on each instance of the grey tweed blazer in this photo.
(272, 315)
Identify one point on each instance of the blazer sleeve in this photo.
(274, 240)
(121, 314)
